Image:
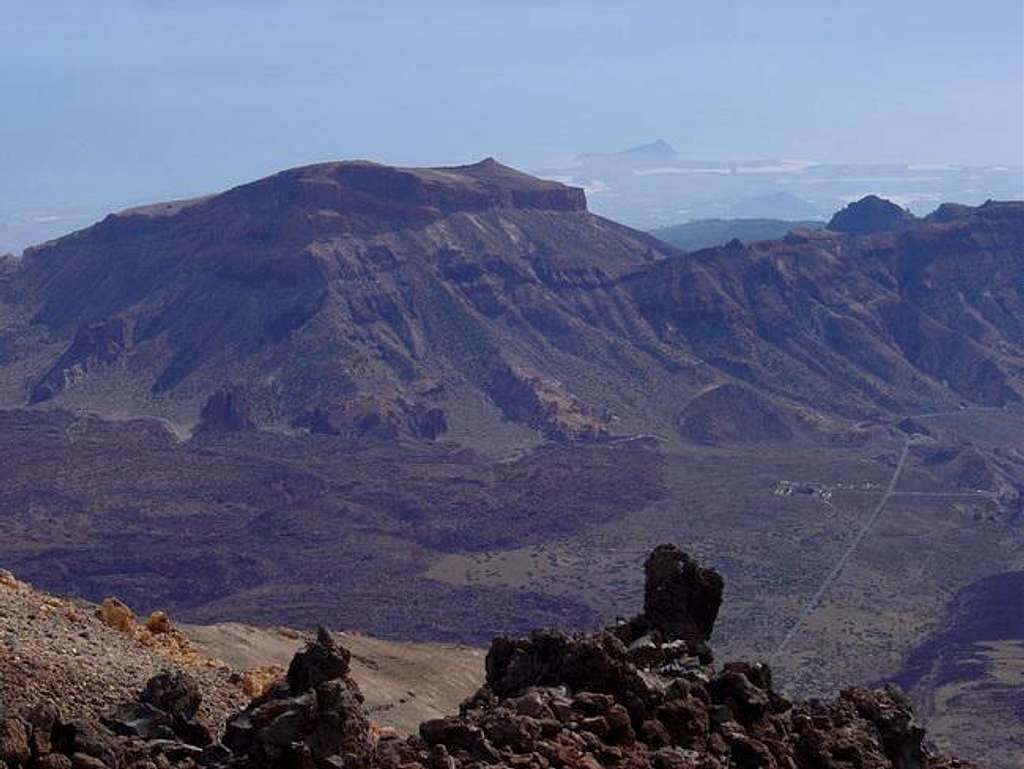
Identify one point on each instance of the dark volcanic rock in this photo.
(227, 410)
(166, 710)
(869, 215)
(550, 700)
(175, 693)
(551, 658)
(681, 599)
(319, 662)
(316, 715)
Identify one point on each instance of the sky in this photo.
(131, 101)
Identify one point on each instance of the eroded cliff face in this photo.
(642, 693)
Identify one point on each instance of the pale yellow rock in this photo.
(158, 623)
(255, 681)
(7, 580)
(116, 614)
(378, 732)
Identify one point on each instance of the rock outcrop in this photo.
(544, 405)
(227, 410)
(166, 709)
(642, 694)
(681, 599)
(314, 717)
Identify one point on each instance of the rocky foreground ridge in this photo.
(642, 693)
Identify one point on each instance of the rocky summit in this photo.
(642, 693)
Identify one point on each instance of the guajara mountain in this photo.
(486, 306)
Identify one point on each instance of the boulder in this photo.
(8, 580)
(891, 714)
(158, 623)
(313, 717)
(116, 614)
(139, 719)
(41, 720)
(320, 661)
(14, 745)
(175, 693)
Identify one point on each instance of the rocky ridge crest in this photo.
(643, 693)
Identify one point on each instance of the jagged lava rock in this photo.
(319, 662)
(631, 697)
(311, 718)
(681, 599)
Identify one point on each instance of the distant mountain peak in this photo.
(871, 214)
(658, 152)
(656, 149)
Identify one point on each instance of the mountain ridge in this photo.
(351, 297)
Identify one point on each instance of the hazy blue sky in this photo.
(106, 101)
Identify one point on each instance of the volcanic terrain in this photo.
(442, 404)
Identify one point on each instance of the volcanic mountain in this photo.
(341, 297)
(488, 306)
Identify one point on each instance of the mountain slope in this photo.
(486, 306)
(970, 672)
(68, 650)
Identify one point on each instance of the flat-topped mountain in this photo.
(483, 305)
(342, 296)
